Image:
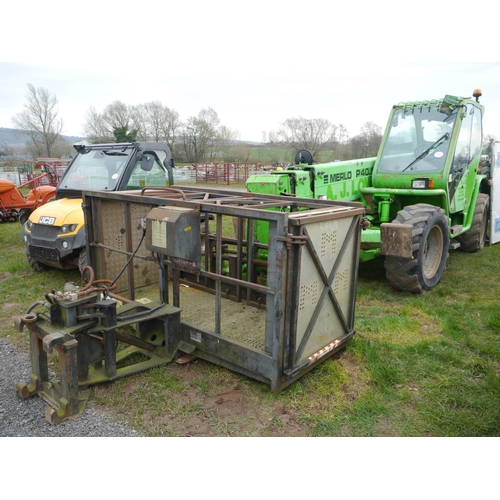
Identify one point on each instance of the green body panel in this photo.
(342, 180)
(339, 181)
(267, 184)
(437, 142)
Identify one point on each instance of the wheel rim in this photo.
(433, 252)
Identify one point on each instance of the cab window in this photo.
(139, 178)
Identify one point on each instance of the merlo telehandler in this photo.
(421, 193)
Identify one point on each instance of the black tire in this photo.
(485, 186)
(24, 215)
(430, 247)
(83, 260)
(473, 240)
(34, 264)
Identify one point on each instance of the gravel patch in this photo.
(26, 417)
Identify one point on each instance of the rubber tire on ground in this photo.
(473, 240)
(34, 264)
(430, 247)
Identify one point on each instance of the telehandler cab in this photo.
(421, 193)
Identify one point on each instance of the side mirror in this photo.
(147, 162)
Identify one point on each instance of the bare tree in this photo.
(226, 141)
(95, 128)
(487, 140)
(62, 148)
(273, 138)
(199, 136)
(313, 134)
(100, 127)
(152, 121)
(163, 123)
(40, 120)
(139, 119)
(367, 142)
(339, 139)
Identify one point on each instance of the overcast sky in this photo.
(254, 103)
(255, 65)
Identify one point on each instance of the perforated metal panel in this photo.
(121, 226)
(325, 286)
(268, 308)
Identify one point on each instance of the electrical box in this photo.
(175, 232)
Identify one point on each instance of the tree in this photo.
(151, 121)
(313, 134)
(40, 120)
(487, 140)
(339, 139)
(161, 123)
(122, 134)
(100, 127)
(226, 140)
(199, 136)
(367, 142)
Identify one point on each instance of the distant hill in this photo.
(11, 137)
(14, 137)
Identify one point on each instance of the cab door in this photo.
(468, 149)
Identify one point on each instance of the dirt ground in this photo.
(233, 409)
(230, 404)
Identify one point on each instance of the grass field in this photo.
(419, 365)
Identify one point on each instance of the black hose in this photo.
(129, 260)
(32, 306)
(139, 314)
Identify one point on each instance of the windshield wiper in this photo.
(115, 153)
(438, 143)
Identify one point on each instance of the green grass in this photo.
(419, 365)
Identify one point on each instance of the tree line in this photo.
(200, 138)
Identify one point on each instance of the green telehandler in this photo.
(421, 193)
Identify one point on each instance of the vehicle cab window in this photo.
(469, 140)
(157, 176)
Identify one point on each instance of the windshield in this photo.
(96, 170)
(417, 132)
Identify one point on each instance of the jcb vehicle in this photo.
(54, 234)
(421, 193)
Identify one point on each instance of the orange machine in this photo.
(14, 206)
